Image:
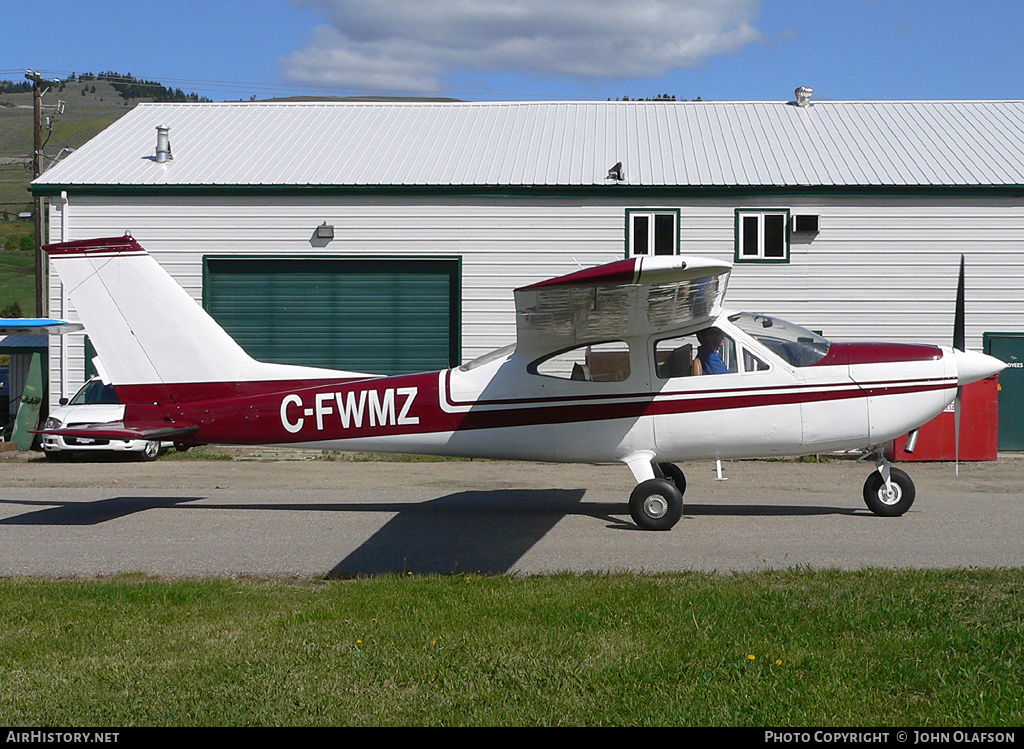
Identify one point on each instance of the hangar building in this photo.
(387, 236)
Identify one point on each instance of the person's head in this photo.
(711, 338)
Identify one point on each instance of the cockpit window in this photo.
(798, 346)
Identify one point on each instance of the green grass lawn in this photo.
(17, 277)
(799, 648)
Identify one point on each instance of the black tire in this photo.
(656, 505)
(674, 474)
(151, 451)
(56, 456)
(894, 505)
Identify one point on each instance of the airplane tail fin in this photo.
(146, 328)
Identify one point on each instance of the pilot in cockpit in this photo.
(711, 340)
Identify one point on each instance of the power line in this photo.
(165, 82)
(282, 89)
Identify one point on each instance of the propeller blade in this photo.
(959, 335)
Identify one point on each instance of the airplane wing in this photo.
(636, 296)
(36, 326)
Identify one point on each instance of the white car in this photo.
(94, 403)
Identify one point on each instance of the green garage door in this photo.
(1010, 348)
(382, 316)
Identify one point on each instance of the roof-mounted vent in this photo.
(163, 144)
(803, 96)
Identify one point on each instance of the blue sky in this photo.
(535, 49)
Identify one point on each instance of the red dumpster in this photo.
(979, 428)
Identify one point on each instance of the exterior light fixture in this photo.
(325, 231)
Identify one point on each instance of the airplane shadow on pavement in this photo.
(89, 513)
(490, 531)
(474, 531)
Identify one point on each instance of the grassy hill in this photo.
(90, 105)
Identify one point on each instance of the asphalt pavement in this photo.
(269, 513)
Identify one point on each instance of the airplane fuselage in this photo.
(502, 409)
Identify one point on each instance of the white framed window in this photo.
(674, 357)
(652, 232)
(593, 362)
(762, 235)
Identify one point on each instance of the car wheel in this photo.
(151, 451)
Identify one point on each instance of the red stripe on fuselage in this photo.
(409, 405)
(878, 353)
(188, 392)
(833, 389)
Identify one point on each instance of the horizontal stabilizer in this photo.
(118, 431)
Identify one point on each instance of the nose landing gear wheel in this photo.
(656, 505)
(891, 502)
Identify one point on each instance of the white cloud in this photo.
(412, 45)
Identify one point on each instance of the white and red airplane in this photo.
(602, 371)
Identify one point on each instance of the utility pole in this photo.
(37, 169)
(39, 87)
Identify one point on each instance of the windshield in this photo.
(798, 346)
(95, 392)
(500, 353)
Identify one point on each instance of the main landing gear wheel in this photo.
(891, 502)
(674, 474)
(656, 504)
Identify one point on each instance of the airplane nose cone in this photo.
(972, 366)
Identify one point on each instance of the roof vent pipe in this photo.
(803, 96)
(163, 144)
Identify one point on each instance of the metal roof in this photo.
(659, 143)
(23, 342)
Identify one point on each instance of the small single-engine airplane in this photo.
(633, 362)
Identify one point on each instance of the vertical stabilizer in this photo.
(145, 327)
